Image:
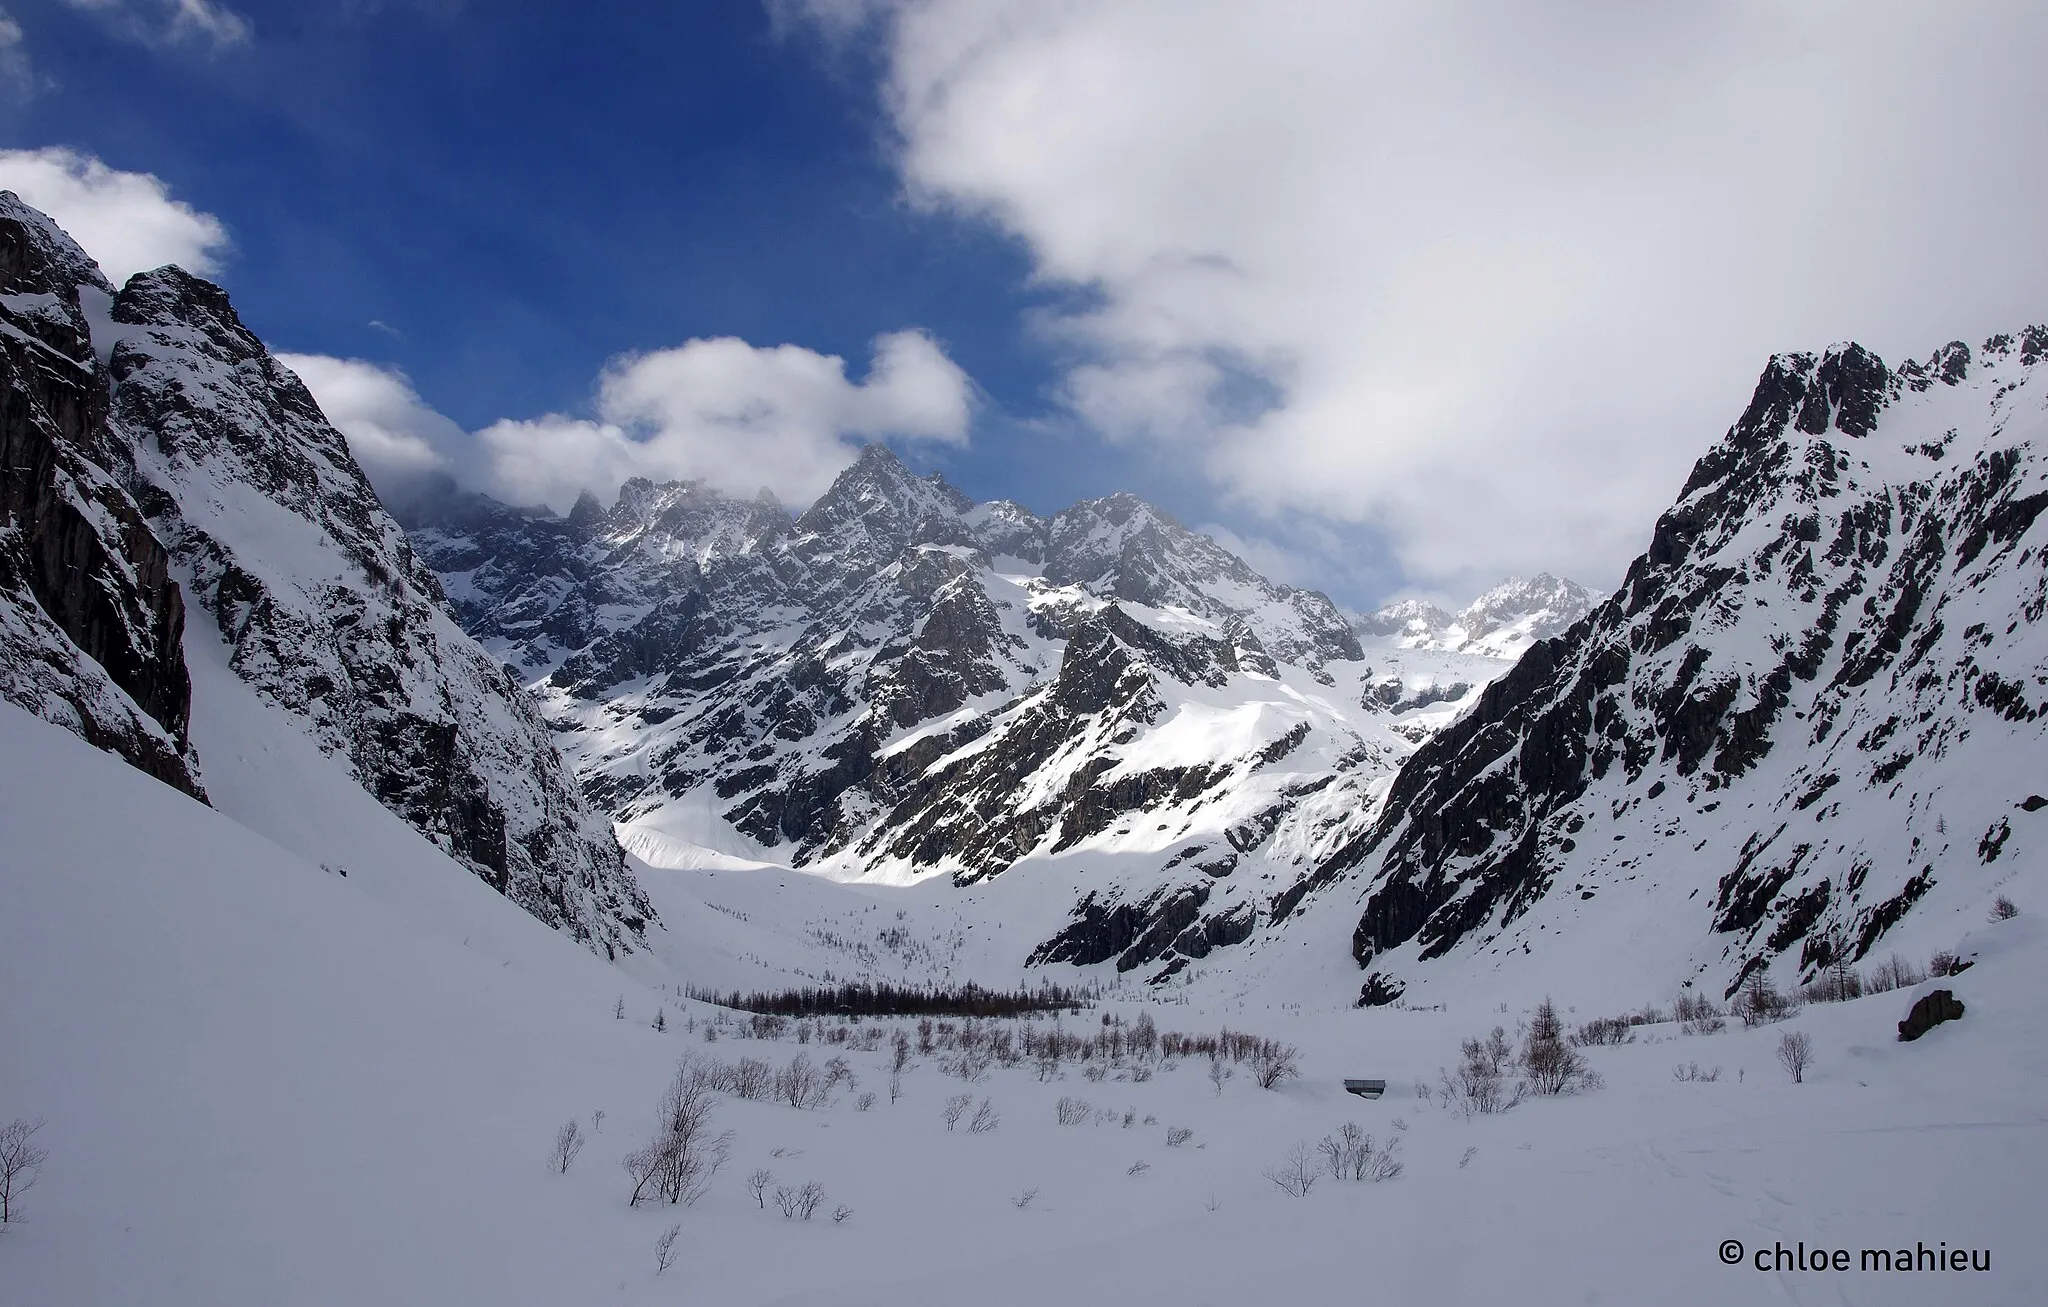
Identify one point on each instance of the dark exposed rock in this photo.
(91, 622)
(1929, 1011)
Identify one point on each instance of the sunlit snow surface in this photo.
(267, 1083)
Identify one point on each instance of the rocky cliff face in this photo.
(331, 617)
(1815, 705)
(902, 683)
(91, 621)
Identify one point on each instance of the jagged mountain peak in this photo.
(68, 265)
(1805, 719)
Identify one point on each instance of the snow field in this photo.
(267, 1083)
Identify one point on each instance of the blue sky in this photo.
(1398, 298)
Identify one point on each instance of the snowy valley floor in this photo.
(268, 1083)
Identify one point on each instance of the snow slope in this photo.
(266, 1083)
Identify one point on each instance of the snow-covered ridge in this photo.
(1808, 725)
(164, 455)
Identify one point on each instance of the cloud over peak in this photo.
(127, 221)
(1484, 278)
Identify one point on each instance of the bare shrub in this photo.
(1218, 1075)
(661, 1019)
(665, 1249)
(1095, 1073)
(1690, 1071)
(1138, 1168)
(1894, 973)
(1554, 1066)
(785, 1201)
(752, 1079)
(1606, 1030)
(568, 1143)
(1130, 1117)
(21, 1163)
(1759, 1002)
(1351, 1154)
(841, 1213)
(1178, 1135)
(758, 1181)
(676, 1166)
(865, 1103)
(1296, 1174)
(808, 1198)
(1025, 1199)
(1073, 1111)
(956, 1107)
(801, 1084)
(1795, 1053)
(986, 1118)
(1697, 1015)
(838, 1071)
(899, 1053)
(895, 1089)
(1471, 1151)
(1942, 964)
(2003, 909)
(597, 1120)
(1481, 1085)
(1274, 1063)
(1141, 1073)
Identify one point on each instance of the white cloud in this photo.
(127, 221)
(1504, 271)
(736, 415)
(392, 432)
(161, 23)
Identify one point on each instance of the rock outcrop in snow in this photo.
(1814, 706)
(91, 621)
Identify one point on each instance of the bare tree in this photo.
(597, 1120)
(986, 1118)
(1274, 1063)
(807, 1199)
(1297, 1174)
(568, 1143)
(2003, 909)
(956, 1107)
(758, 1181)
(619, 1009)
(1795, 1051)
(678, 1163)
(801, 1084)
(661, 1019)
(865, 1103)
(1554, 1066)
(895, 1088)
(1218, 1074)
(665, 1249)
(21, 1162)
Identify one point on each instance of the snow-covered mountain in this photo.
(1813, 712)
(166, 456)
(902, 683)
(91, 621)
(1430, 665)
